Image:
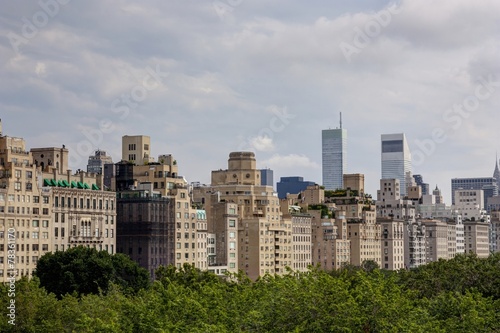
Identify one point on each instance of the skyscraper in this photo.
(396, 158)
(334, 151)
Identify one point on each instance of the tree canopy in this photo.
(88, 271)
(458, 295)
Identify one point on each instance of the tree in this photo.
(88, 271)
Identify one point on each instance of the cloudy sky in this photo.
(204, 78)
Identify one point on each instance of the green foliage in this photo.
(459, 295)
(83, 270)
(324, 209)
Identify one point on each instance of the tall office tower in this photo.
(396, 158)
(334, 156)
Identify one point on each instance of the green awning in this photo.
(60, 183)
(80, 185)
(65, 182)
(47, 182)
(86, 186)
(54, 182)
(95, 187)
(73, 184)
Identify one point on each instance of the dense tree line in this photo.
(458, 295)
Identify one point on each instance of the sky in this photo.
(205, 78)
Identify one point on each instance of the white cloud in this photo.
(223, 75)
(290, 162)
(262, 143)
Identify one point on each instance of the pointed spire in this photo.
(496, 173)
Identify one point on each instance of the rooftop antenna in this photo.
(340, 120)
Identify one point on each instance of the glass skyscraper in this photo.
(396, 159)
(334, 150)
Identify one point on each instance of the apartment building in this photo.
(146, 228)
(47, 207)
(331, 247)
(362, 230)
(476, 234)
(164, 176)
(437, 239)
(393, 254)
(301, 235)
(25, 218)
(264, 235)
(415, 242)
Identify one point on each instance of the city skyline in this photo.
(262, 77)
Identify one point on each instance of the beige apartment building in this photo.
(47, 208)
(25, 217)
(437, 239)
(301, 235)
(362, 230)
(477, 238)
(331, 248)
(264, 235)
(393, 254)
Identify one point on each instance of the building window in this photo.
(35, 223)
(131, 157)
(36, 199)
(232, 223)
(34, 235)
(45, 223)
(232, 265)
(45, 200)
(131, 146)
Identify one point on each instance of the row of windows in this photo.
(62, 201)
(23, 198)
(35, 247)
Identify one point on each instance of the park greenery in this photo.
(457, 295)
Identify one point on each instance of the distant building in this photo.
(292, 185)
(266, 177)
(420, 181)
(97, 161)
(396, 158)
(334, 157)
(482, 183)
